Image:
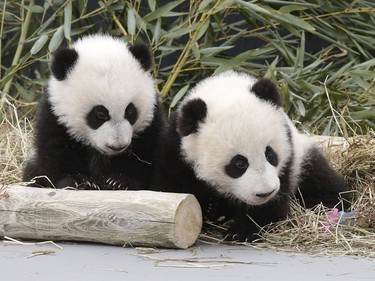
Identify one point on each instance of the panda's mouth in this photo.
(113, 150)
(260, 199)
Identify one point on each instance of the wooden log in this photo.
(132, 218)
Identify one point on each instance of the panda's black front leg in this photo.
(320, 183)
(250, 219)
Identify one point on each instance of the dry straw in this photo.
(302, 231)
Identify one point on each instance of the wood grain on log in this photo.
(130, 218)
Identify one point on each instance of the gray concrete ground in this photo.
(202, 262)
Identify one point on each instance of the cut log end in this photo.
(188, 222)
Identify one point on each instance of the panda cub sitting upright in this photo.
(100, 123)
(232, 146)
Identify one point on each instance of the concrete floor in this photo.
(202, 262)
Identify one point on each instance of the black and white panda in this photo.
(100, 123)
(233, 147)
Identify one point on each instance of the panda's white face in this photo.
(106, 97)
(242, 145)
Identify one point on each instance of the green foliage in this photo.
(327, 85)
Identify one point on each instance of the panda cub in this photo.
(100, 123)
(232, 146)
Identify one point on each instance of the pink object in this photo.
(338, 217)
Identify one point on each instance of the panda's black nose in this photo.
(116, 148)
(264, 195)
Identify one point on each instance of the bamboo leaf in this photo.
(131, 21)
(179, 96)
(254, 7)
(35, 9)
(363, 114)
(156, 35)
(162, 11)
(39, 44)
(67, 20)
(288, 18)
(152, 4)
(56, 39)
(291, 8)
(232, 63)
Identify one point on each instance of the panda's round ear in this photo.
(63, 61)
(266, 90)
(143, 54)
(190, 115)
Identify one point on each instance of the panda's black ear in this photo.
(265, 89)
(63, 61)
(190, 115)
(143, 54)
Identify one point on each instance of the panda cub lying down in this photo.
(100, 123)
(233, 147)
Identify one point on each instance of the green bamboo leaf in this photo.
(363, 114)
(56, 39)
(236, 61)
(131, 21)
(203, 5)
(39, 44)
(179, 31)
(202, 30)
(255, 8)
(210, 51)
(296, 21)
(68, 20)
(152, 4)
(179, 96)
(162, 11)
(156, 35)
(291, 8)
(300, 108)
(46, 24)
(35, 9)
(300, 53)
(339, 72)
(26, 95)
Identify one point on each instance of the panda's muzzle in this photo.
(265, 195)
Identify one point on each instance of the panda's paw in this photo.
(113, 184)
(87, 185)
(240, 233)
(79, 182)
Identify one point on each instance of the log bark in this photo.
(132, 218)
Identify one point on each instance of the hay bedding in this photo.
(310, 231)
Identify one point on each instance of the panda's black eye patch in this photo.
(131, 113)
(97, 116)
(237, 166)
(271, 156)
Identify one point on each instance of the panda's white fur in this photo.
(233, 147)
(107, 74)
(237, 122)
(100, 123)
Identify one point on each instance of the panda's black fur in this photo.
(63, 156)
(198, 139)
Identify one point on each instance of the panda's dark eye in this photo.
(131, 113)
(271, 156)
(101, 113)
(97, 116)
(237, 166)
